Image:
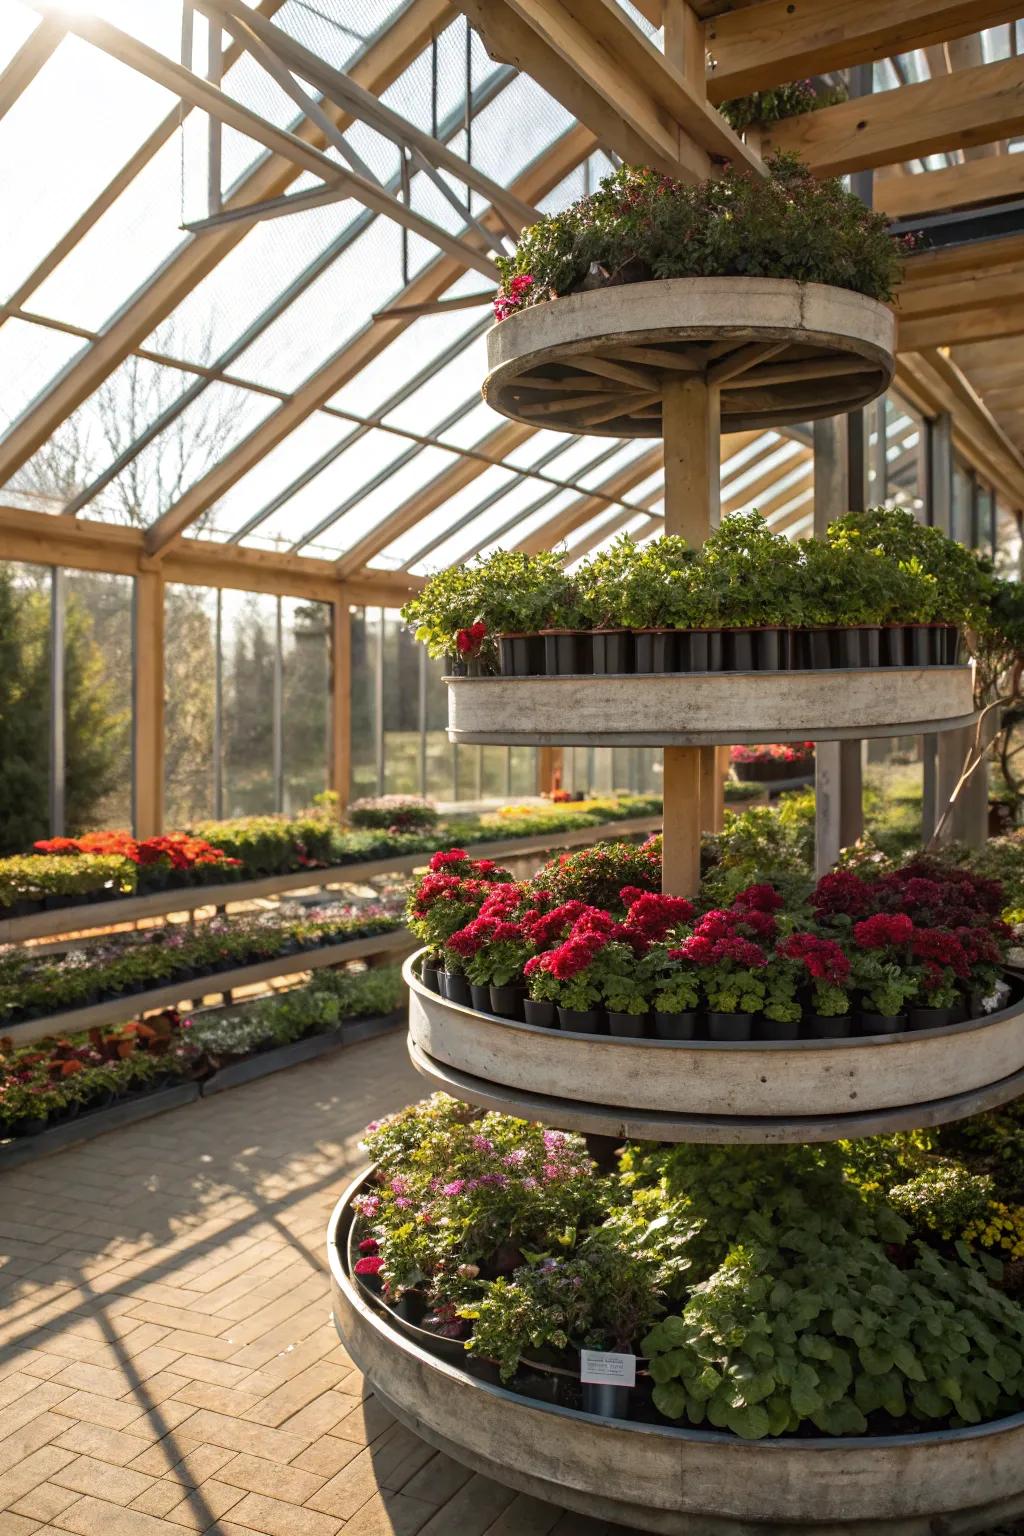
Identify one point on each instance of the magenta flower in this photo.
(372, 1265)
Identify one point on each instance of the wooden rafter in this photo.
(381, 64)
(22, 69)
(535, 182)
(776, 41)
(972, 106)
(592, 58)
(957, 186)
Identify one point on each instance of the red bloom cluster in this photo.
(651, 917)
(592, 930)
(741, 922)
(484, 930)
(703, 950)
(822, 958)
(883, 929)
(513, 296)
(175, 849)
(843, 892)
(468, 641)
(776, 752)
(758, 898)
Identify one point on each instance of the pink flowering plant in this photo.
(491, 951)
(458, 1201)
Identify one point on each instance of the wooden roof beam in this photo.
(22, 69)
(972, 106)
(590, 56)
(777, 41)
(957, 186)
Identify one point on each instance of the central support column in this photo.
(691, 427)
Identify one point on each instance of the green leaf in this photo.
(906, 1361)
(750, 1423)
(670, 1399)
(877, 1362)
(842, 1418)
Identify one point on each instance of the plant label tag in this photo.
(599, 1366)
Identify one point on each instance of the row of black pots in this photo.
(562, 653)
(35, 1125)
(512, 1003)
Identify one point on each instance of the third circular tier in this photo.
(779, 351)
(710, 1090)
(708, 708)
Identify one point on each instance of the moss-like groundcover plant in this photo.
(640, 225)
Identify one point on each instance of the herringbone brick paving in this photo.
(167, 1356)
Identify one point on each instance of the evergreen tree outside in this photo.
(94, 728)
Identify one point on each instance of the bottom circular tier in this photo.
(678, 1482)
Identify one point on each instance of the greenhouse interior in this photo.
(512, 575)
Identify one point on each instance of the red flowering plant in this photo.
(172, 850)
(651, 917)
(986, 955)
(880, 962)
(492, 951)
(822, 963)
(449, 895)
(568, 974)
(842, 896)
(801, 752)
(468, 642)
(732, 971)
(941, 966)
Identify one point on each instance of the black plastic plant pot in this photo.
(816, 650)
(612, 651)
(655, 650)
(730, 1026)
(507, 1002)
(578, 1022)
(847, 648)
(919, 645)
(455, 988)
(768, 650)
(562, 648)
(772, 1029)
(881, 1023)
(431, 977)
(480, 998)
(631, 1026)
(542, 1015)
(870, 645)
(454, 666)
(514, 655)
(739, 650)
(953, 647)
(605, 1399)
(675, 1026)
(894, 647)
(932, 1018)
(692, 650)
(822, 1026)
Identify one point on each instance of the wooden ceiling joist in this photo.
(379, 67)
(972, 106)
(957, 186)
(776, 41)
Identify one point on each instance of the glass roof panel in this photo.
(207, 429)
(293, 456)
(369, 455)
(49, 174)
(411, 349)
(457, 381)
(17, 23)
(29, 356)
(471, 429)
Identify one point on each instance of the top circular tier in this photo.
(779, 350)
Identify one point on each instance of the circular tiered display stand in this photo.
(682, 359)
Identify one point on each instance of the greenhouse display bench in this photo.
(717, 1091)
(262, 1063)
(708, 709)
(26, 1149)
(679, 1482)
(82, 917)
(119, 1010)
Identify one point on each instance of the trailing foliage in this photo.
(762, 108)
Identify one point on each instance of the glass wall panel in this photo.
(905, 448)
(401, 708)
(306, 670)
(97, 700)
(190, 667)
(249, 648)
(961, 518)
(365, 632)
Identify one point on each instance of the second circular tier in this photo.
(690, 709)
(702, 1090)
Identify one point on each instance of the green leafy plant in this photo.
(33, 877)
(506, 592)
(762, 108)
(640, 225)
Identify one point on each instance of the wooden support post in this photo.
(341, 698)
(681, 849)
(950, 748)
(827, 778)
(148, 704)
(691, 428)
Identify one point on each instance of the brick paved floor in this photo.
(167, 1356)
